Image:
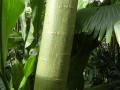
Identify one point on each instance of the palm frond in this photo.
(98, 21)
(83, 17)
(117, 31)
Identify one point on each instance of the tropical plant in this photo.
(17, 67)
(96, 21)
(7, 23)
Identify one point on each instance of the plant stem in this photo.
(56, 44)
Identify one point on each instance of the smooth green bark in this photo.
(56, 44)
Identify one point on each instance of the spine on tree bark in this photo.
(56, 44)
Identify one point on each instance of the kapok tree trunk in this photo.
(56, 44)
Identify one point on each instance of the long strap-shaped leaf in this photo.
(38, 7)
(9, 13)
(0, 29)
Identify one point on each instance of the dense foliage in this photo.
(95, 52)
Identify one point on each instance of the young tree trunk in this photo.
(55, 49)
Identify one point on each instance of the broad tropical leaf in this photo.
(83, 16)
(98, 20)
(11, 10)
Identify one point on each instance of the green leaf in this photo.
(23, 22)
(11, 9)
(11, 85)
(30, 36)
(29, 66)
(23, 83)
(38, 7)
(27, 36)
(117, 31)
(28, 70)
(83, 19)
(109, 35)
(14, 39)
(17, 73)
(82, 4)
(100, 22)
(27, 32)
(0, 34)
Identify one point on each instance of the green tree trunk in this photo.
(56, 44)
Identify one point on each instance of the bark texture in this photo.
(56, 44)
